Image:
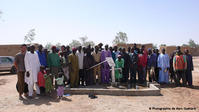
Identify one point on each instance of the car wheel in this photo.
(13, 70)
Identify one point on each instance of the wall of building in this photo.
(171, 49)
(194, 51)
(11, 50)
(150, 45)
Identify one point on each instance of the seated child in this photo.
(60, 84)
(119, 65)
(48, 81)
(41, 80)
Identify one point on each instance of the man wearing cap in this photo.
(53, 62)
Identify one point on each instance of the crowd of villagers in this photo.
(73, 67)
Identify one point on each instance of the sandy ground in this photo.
(177, 98)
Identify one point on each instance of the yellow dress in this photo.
(74, 70)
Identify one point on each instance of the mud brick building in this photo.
(10, 50)
(150, 45)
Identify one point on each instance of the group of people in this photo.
(87, 66)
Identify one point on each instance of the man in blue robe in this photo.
(163, 65)
(42, 56)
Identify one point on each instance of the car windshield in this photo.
(6, 60)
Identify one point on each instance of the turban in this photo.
(53, 47)
(73, 49)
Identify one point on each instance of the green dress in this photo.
(119, 64)
(48, 83)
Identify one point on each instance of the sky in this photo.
(170, 22)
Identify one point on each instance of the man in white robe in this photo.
(163, 65)
(80, 54)
(32, 66)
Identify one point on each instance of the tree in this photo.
(48, 46)
(1, 13)
(192, 44)
(185, 45)
(74, 43)
(154, 46)
(84, 41)
(163, 45)
(30, 36)
(58, 45)
(120, 38)
(91, 43)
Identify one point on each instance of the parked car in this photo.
(7, 64)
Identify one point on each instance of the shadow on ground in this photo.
(6, 73)
(194, 87)
(172, 85)
(46, 100)
(3, 81)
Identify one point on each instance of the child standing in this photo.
(41, 80)
(48, 81)
(60, 84)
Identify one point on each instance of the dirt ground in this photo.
(172, 99)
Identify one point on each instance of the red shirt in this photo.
(41, 80)
(142, 62)
(179, 62)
